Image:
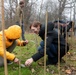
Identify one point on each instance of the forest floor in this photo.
(23, 53)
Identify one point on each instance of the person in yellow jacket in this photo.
(12, 35)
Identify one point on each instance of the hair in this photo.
(35, 24)
(21, 2)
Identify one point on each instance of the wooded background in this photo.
(36, 9)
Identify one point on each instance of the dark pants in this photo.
(9, 49)
(23, 30)
(53, 52)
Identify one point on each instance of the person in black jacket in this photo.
(52, 44)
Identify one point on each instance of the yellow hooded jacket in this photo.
(13, 33)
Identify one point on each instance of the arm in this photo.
(9, 55)
(35, 57)
(39, 54)
(21, 43)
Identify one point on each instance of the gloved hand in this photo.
(28, 62)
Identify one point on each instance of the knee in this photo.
(42, 43)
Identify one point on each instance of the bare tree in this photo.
(62, 4)
(36, 11)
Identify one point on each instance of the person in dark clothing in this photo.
(63, 26)
(52, 44)
(69, 25)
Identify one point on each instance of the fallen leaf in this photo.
(63, 70)
(68, 71)
(15, 68)
(33, 70)
(70, 54)
(74, 58)
(74, 69)
(52, 71)
(40, 63)
(47, 70)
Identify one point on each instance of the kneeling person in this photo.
(52, 44)
(12, 35)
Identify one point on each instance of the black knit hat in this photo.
(50, 25)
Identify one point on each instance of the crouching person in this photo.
(52, 44)
(12, 35)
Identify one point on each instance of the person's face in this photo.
(35, 29)
(22, 5)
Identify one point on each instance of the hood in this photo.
(13, 32)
